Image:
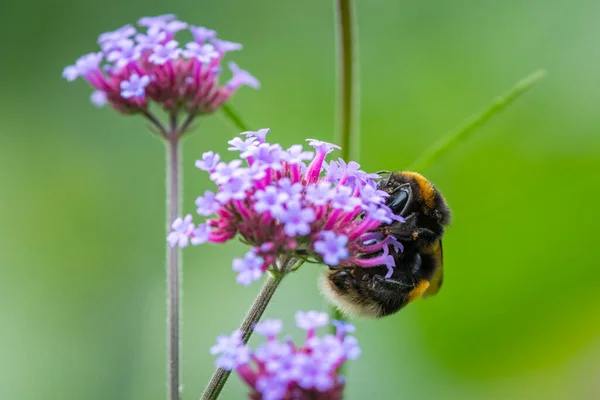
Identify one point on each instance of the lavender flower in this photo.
(207, 204)
(84, 66)
(268, 328)
(281, 207)
(231, 350)
(223, 46)
(165, 52)
(182, 229)
(98, 98)
(159, 20)
(200, 234)
(311, 320)
(259, 135)
(123, 52)
(284, 371)
(125, 32)
(270, 200)
(332, 247)
(135, 86)
(241, 77)
(248, 268)
(201, 34)
(209, 161)
(179, 79)
(297, 219)
(203, 53)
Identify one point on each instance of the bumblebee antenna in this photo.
(385, 172)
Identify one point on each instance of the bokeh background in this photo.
(82, 306)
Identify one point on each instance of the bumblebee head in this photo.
(411, 192)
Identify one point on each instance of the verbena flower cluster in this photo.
(323, 212)
(279, 370)
(134, 68)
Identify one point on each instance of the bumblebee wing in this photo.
(438, 277)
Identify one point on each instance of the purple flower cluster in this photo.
(279, 370)
(134, 68)
(323, 212)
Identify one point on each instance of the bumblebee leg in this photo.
(390, 295)
(379, 283)
(425, 236)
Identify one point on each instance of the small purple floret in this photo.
(241, 77)
(311, 320)
(320, 145)
(209, 161)
(232, 352)
(202, 34)
(296, 219)
(249, 268)
(269, 328)
(98, 98)
(135, 86)
(207, 204)
(200, 235)
(270, 199)
(223, 46)
(332, 247)
(260, 134)
(163, 53)
(204, 53)
(182, 228)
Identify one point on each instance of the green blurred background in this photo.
(82, 216)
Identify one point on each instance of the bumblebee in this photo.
(365, 292)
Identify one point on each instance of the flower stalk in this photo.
(173, 260)
(346, 135)
(274, 278)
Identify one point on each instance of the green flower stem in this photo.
(283, 267)
(452, 138)
(346, 135)
(173, 263)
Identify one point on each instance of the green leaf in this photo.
(234, 117)
(452, 138)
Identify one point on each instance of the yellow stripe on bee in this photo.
(433, 249)
(418, 291)
(426, 188)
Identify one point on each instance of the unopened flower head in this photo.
(280, 206)
(282, 370)
(133, 69)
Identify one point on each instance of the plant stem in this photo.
(452, 138)
(346, 134)
(173, 267)
(217, 382)
(348, 86)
